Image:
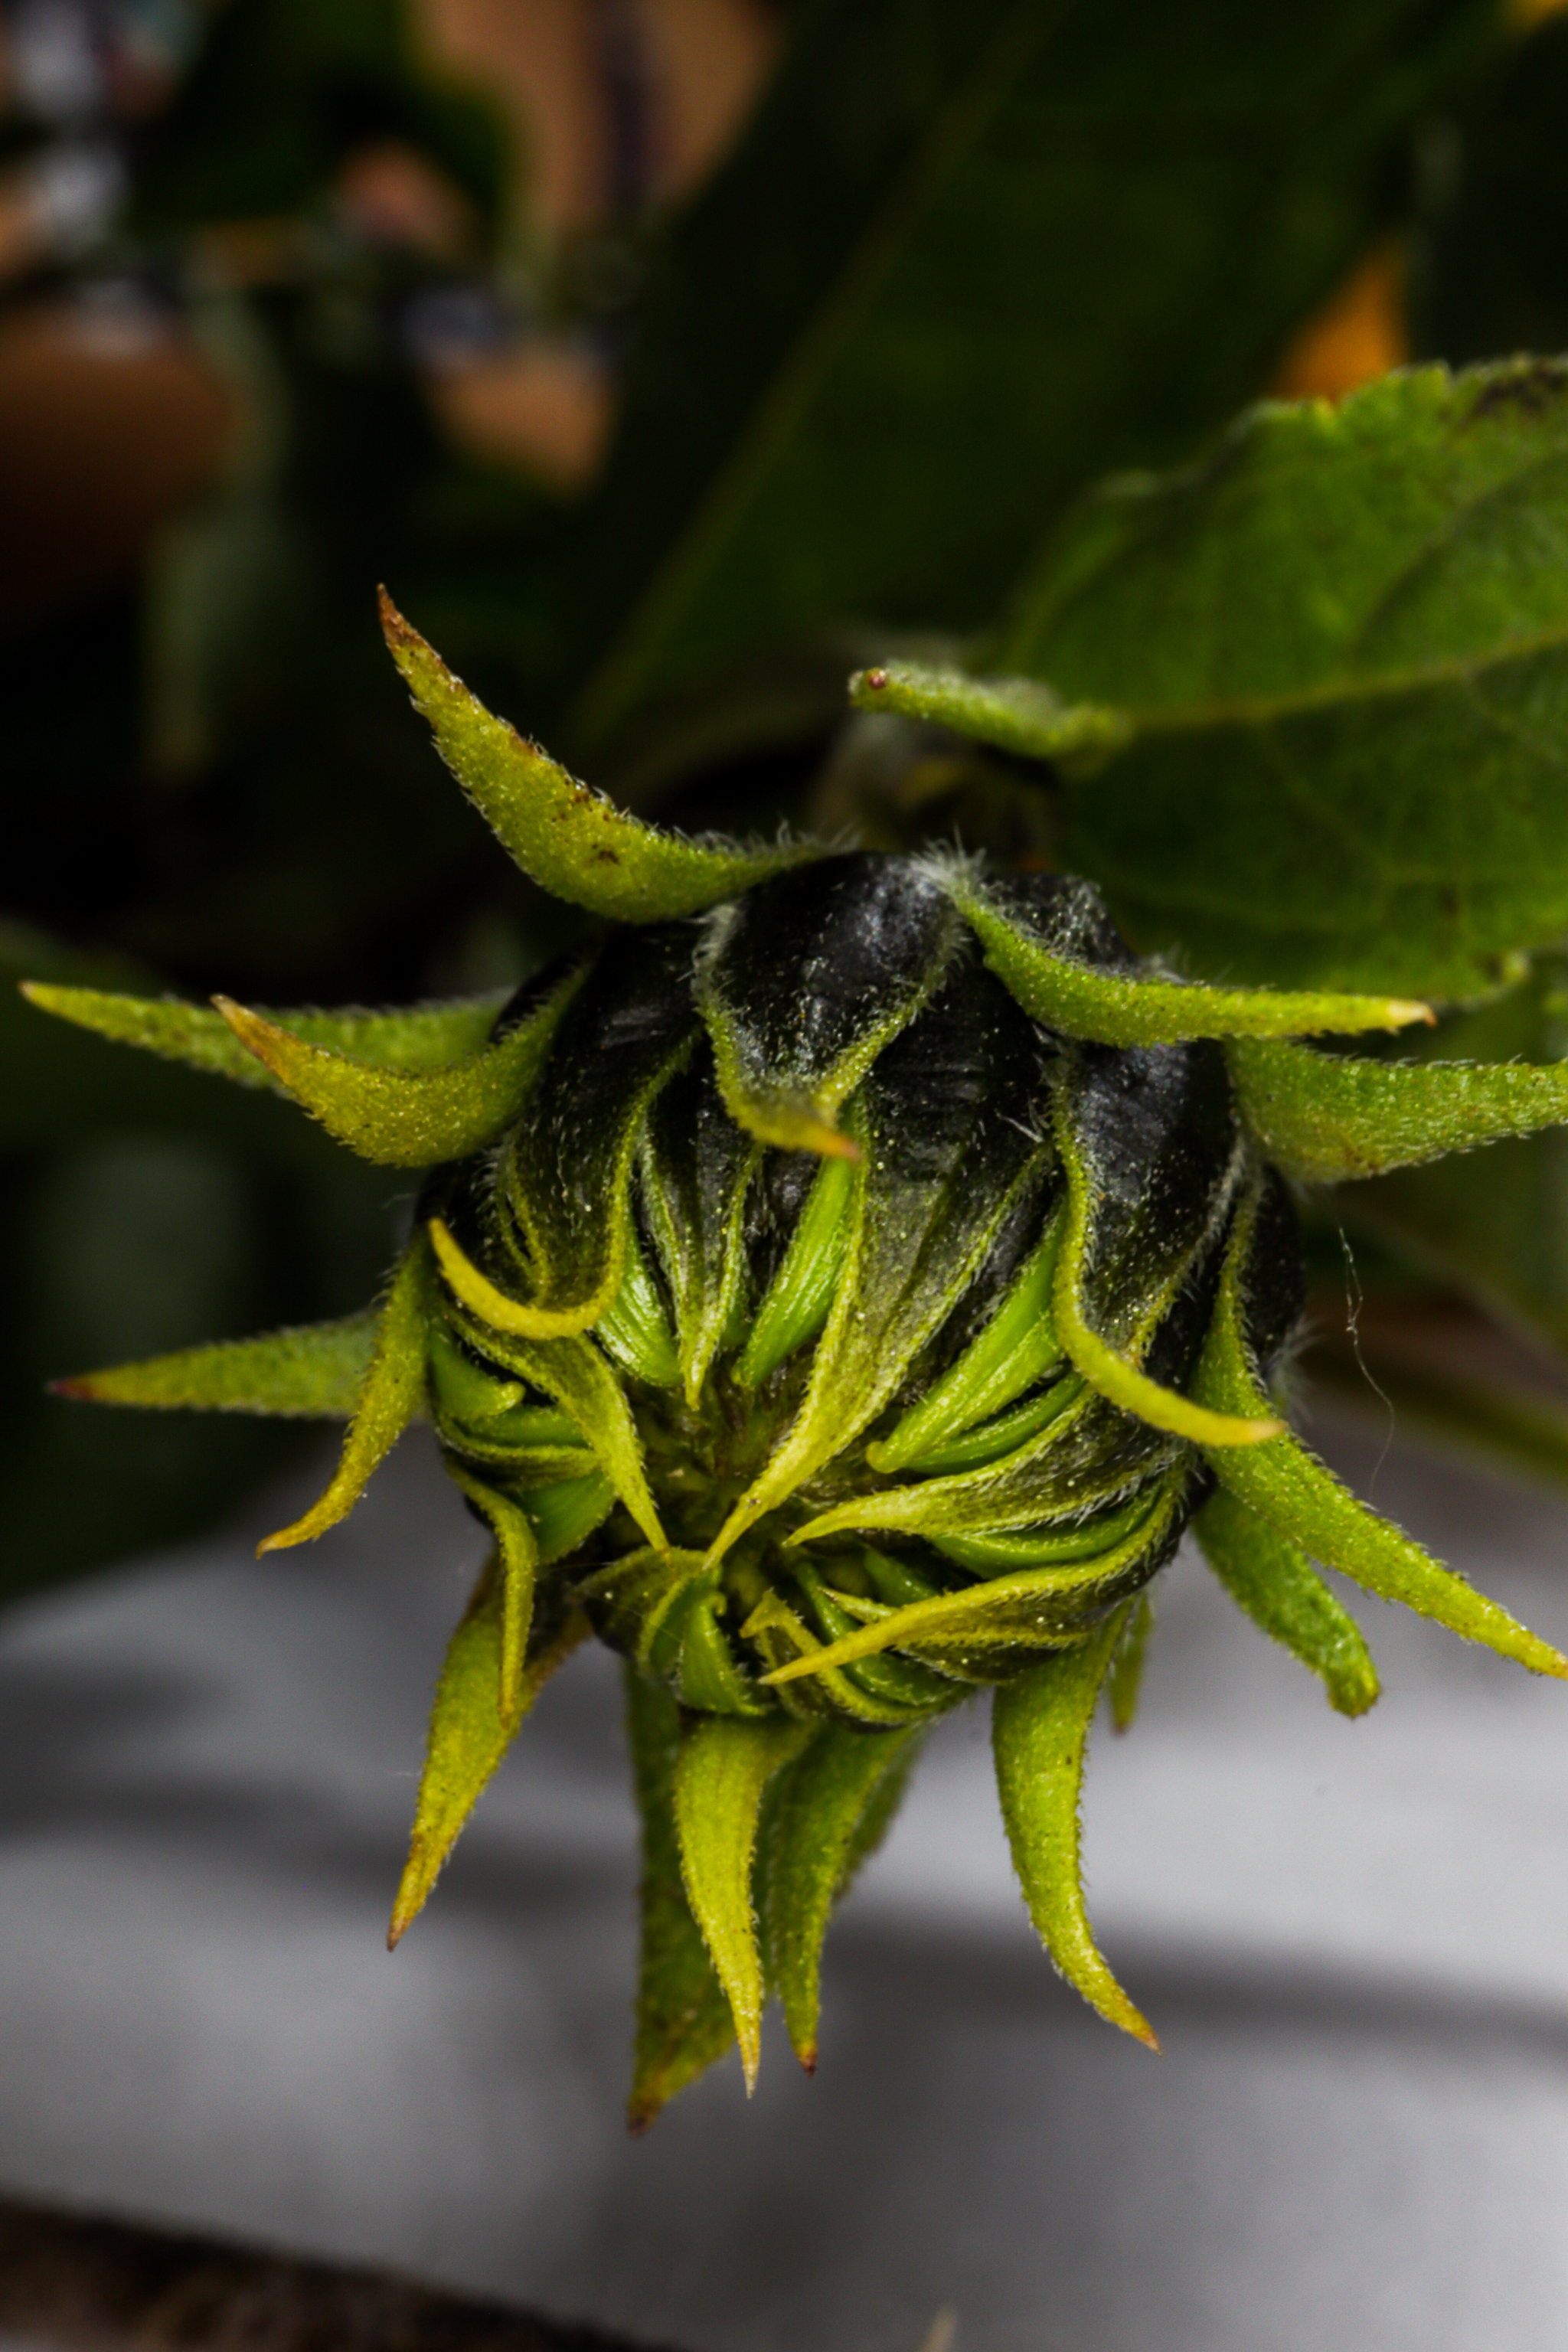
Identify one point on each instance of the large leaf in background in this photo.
(970, 256)
(1343, 645)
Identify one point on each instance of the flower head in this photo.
(837, 1287)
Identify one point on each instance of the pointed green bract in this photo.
(1273, 1582)
(723, 1768)
(1301, 1497)
(683, 2018)
(640, 1605)
(1322, 1117)
(564, 1515)
(990, 1442)
(407, 1118)
(563, 1189)
(807, 980)
(568, 838)
(1117, 1379)
(893, 1692)
(392, 1395)
(1125, 1682)
(422, 1037)
(942, 1167)
(1109, 1007)
(575, 1374)
(1017, 1348)
(517, 1558)
(1043, 1489)
(801, 1292)
(1039, 1722)
(469, 1734)
(636, 1330)
(1017, 714)
(814, 1836)
(315, 1371)
(779, 1635)
(697, 1169)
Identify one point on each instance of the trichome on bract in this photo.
(837, 1287)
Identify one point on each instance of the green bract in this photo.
(837, 1287)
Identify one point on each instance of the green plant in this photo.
(840, 1282)
(963, 259)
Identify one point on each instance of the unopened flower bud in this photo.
(837, 1287)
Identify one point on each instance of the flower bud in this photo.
(844, 1365)
(837, 1287)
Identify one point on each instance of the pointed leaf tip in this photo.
(392, 1394)
(498, 1307)
(1325, 1117)
(826, 1813)
(1302, 1500)
(720, 1775)
(404, 1118)
(316, 1371)
(1032, 950)
(1102, 1366)
(1040, 1724)
(469, 1733)
(568, 837)
(683, 2018)
(1018, 715)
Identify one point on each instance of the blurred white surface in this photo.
(1352, 1938)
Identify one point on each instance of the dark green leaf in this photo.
(1343, 641)
(969, 257)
